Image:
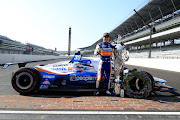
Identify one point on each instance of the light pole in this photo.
(69, 42)
(152, 30)
(150, 42)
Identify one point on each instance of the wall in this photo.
(14, 58)
(164, 64)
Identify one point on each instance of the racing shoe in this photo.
(109, 93)
(96, 93)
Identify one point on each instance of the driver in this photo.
(104, 49)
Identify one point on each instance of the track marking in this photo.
(88, 112)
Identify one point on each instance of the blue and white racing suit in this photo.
(105, 62)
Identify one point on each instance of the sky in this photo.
(46, 22)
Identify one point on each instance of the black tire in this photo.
(26, 80)
(152, 79)
(137, 84)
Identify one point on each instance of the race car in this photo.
(81, 75)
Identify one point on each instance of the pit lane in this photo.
(10, 99)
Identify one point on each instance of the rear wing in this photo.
(4, 66)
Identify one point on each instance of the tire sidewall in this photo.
(30, 71)
(152, 79)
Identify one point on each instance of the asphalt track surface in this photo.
(173, 79)
(87, 117)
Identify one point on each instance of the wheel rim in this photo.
(136, 84)
(24, 80)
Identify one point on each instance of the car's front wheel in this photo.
(26, 80)
(137, 84)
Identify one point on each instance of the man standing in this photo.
(104, 49)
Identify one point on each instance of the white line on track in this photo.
(88, 112)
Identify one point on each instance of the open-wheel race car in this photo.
(81, 75)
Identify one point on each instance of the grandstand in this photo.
(165, 52)
(164, 16)
(8, 46)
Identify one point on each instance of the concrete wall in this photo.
(14, 58)
(4, 51)
(164, 64)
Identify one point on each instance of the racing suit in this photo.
(104, 68)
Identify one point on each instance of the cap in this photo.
(105, 34)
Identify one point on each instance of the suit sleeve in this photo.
(96, 50)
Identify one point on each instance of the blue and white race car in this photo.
(81, 75)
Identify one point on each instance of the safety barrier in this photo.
(163, 64)
(15, 58)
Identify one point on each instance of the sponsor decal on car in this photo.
(83, 78)
(46, 82)
(163, 88)
(44, 87)
(60, 65)
(59, 69)
(69, 68)
(48, 76)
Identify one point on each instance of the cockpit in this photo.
(77, 67)
(83, 66)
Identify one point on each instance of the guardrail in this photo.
(16, 58)
(157, 57)
(163, 64)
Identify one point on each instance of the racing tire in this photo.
(152, 80)
(26, 80)
(137, 84)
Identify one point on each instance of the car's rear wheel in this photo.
(26, 80)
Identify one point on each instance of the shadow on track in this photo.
(164, 97)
